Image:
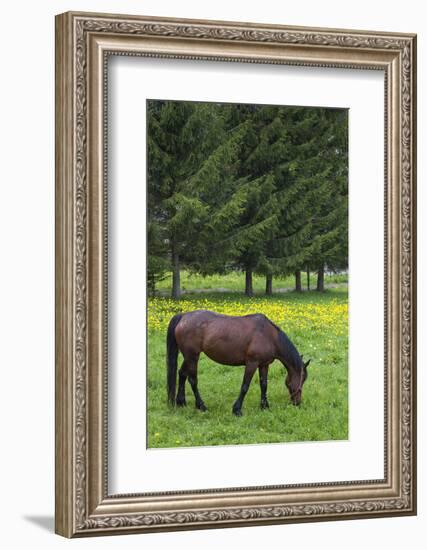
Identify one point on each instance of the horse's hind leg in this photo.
(251, 367)
(180, 396)
(263, 377)
(192, 378)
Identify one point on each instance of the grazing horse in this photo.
(250, 340)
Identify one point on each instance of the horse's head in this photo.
(295, 379)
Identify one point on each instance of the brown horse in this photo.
(251, 340)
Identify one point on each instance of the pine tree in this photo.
(311, 184)
(181, 135)
(257, 188)
(329, 245)
(259, 217)
(239, 199)
(280, 153)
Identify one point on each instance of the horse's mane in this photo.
(290, 352)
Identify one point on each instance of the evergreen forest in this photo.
(258, 189)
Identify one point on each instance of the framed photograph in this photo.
(235, 274)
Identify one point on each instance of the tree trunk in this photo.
(176, 276)
(308, 278)
(249, 291)
(298, 286)
(321, 278)
(269, 284)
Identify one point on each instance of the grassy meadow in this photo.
(316, 322)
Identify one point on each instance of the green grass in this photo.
(235, 282)
(323, 414)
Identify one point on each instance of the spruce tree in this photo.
(311, 184)
(257, 188)
(281, 154)
(181, 135)
(329, 246)
(238, 196)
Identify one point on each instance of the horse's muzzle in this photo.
(296, 399)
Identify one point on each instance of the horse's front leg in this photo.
(263, 379)
(251, 367)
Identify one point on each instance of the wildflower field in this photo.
(316, 322)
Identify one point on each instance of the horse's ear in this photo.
(306, 364)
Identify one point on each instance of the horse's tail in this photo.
(172, 357)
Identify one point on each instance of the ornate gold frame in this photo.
(83, 506)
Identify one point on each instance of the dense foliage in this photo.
(257, 188)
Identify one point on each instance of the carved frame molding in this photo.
(83, 42)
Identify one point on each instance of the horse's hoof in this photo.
(202, 407)
(265, 405)
(237, 412)
(181, 403)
